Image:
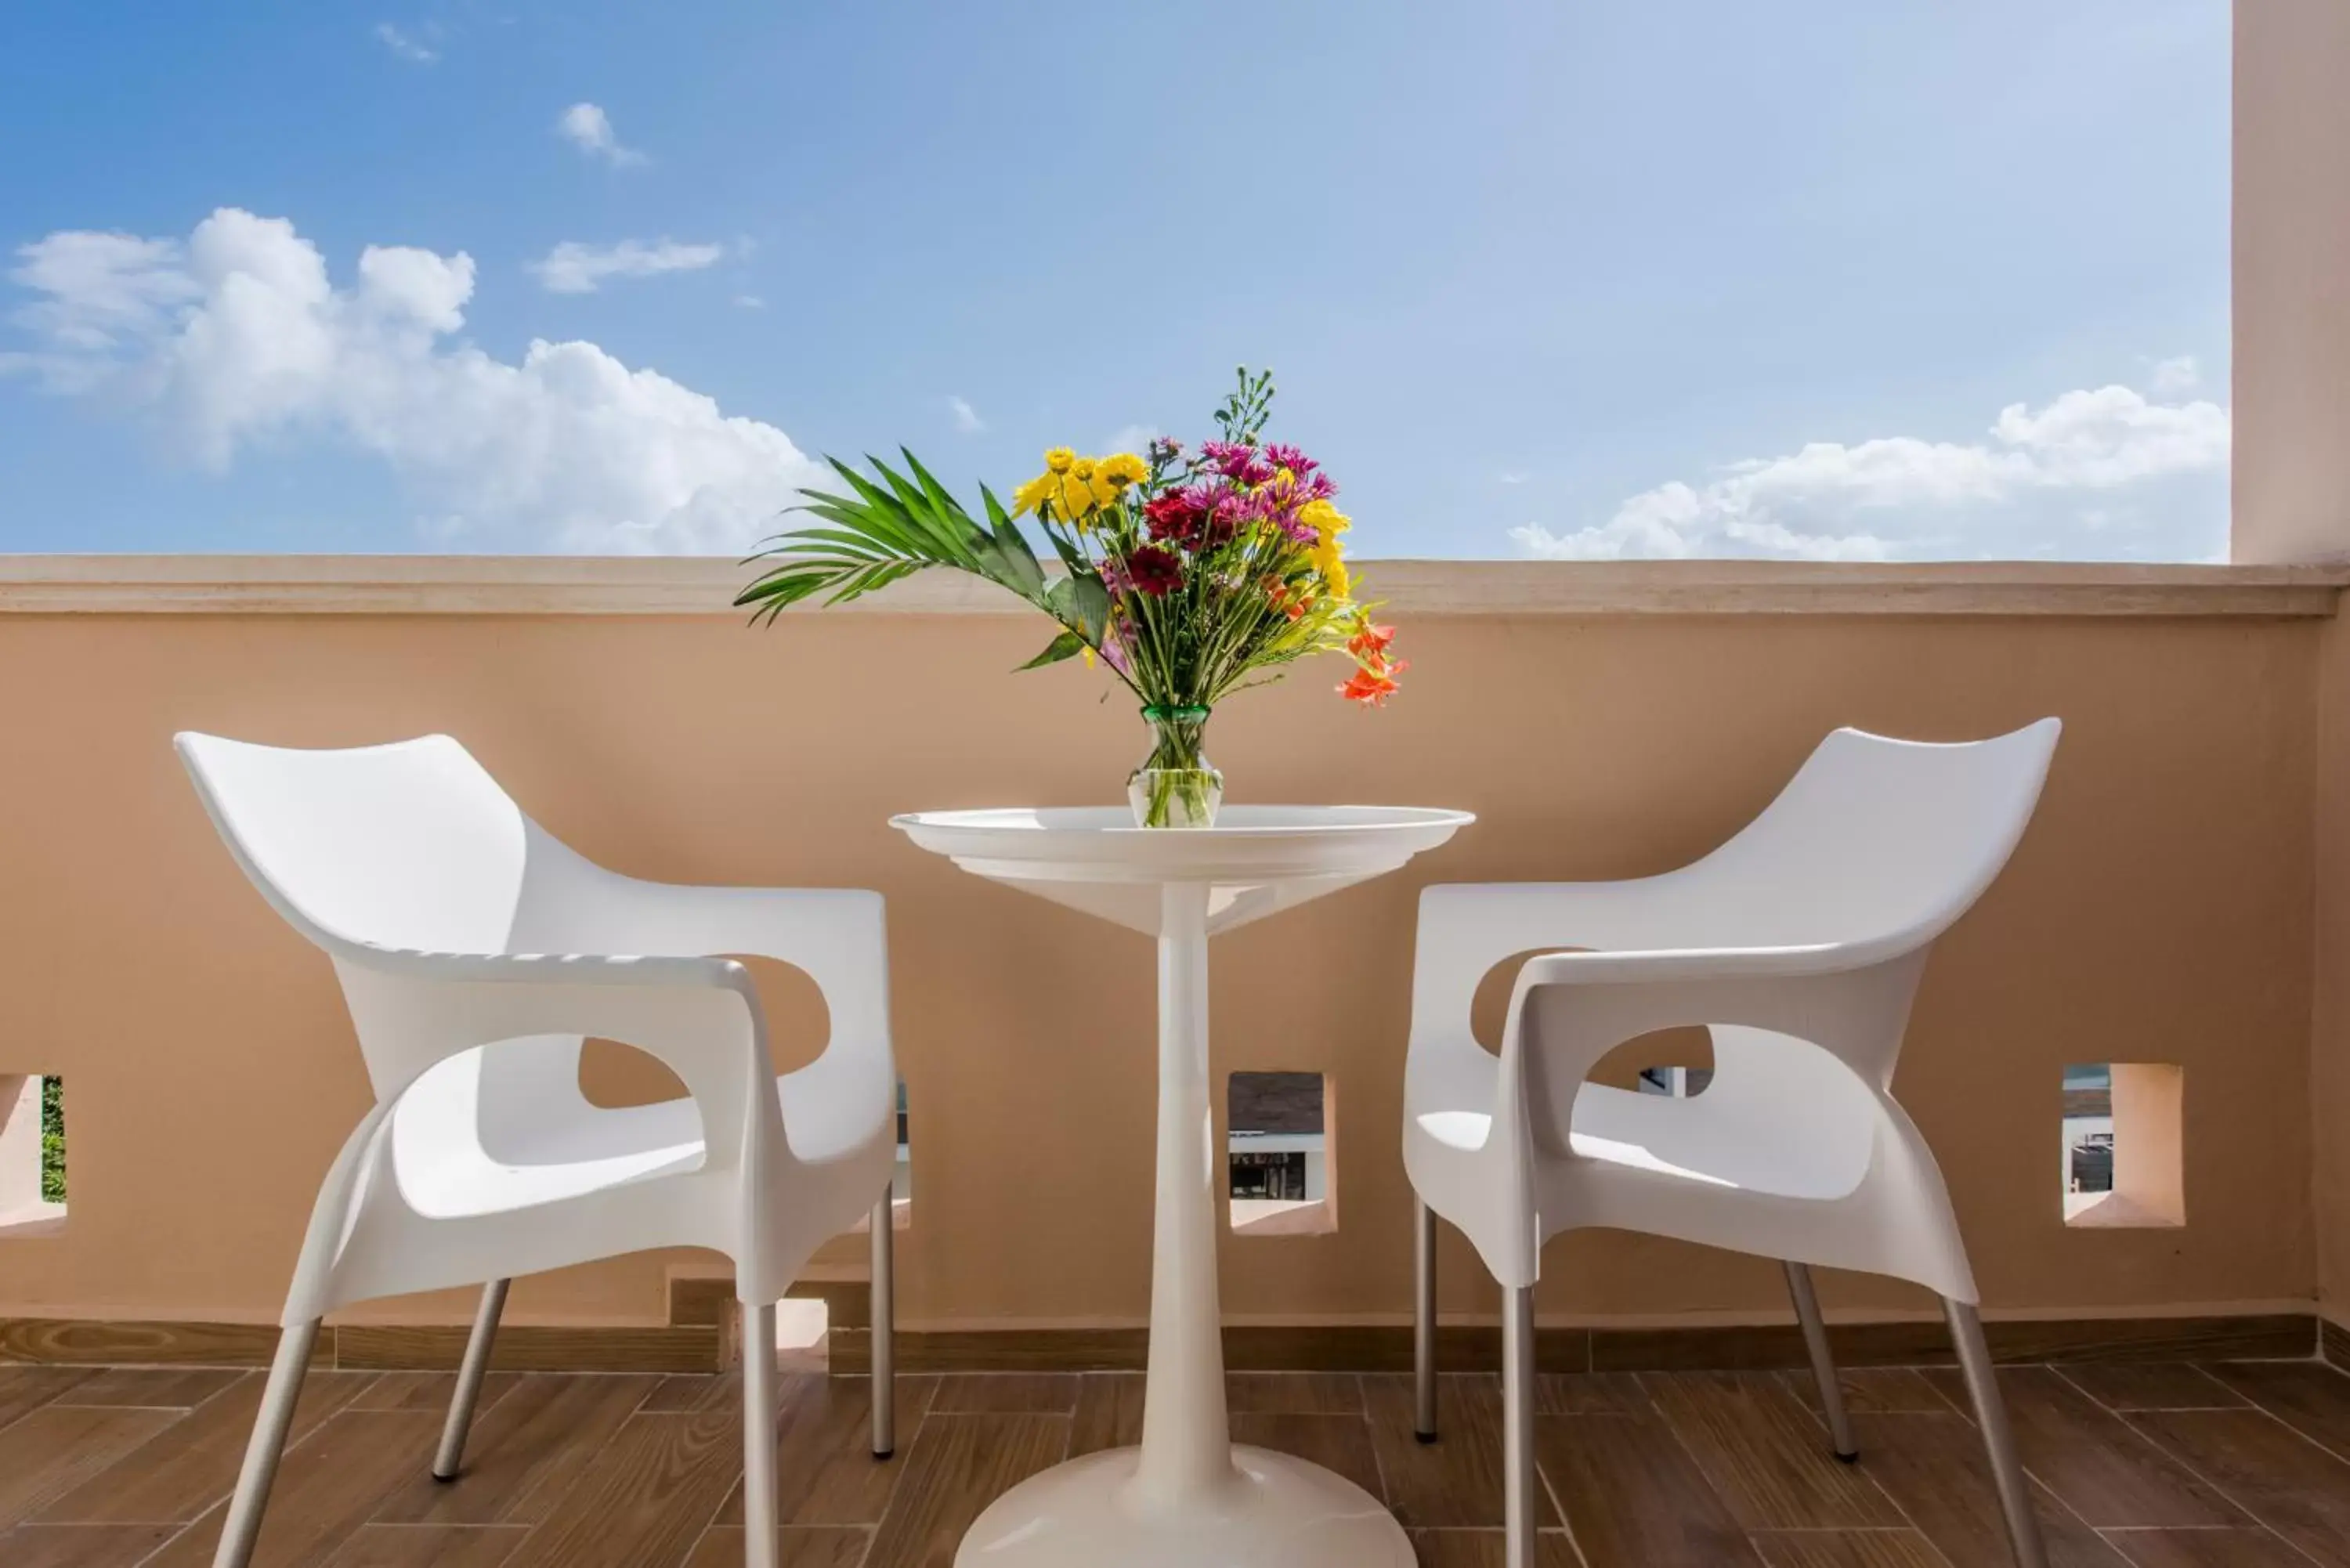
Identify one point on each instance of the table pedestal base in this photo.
(1277, 1511)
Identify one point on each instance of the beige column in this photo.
(2292, 483)
(2292, 393)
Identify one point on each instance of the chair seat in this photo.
(1467, 1131)
(449, 1168)
(1784, 1122)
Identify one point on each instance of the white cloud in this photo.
(101, 292)
(589, 128)
(966, 418)
(414, 50)
(2104, 473)
(572, 267)
(749, 302)
(240, 338)
(1130, 438)
(1512, 476)
(2172, 376)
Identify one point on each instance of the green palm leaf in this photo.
(882, 532)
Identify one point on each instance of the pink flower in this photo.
(1237, 461)
(1283, 455)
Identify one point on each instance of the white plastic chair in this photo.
(476, 953)
(1799, 944)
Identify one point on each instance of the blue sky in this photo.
(1834, 279)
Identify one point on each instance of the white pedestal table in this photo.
(1188, 1498)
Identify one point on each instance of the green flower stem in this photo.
(1178, 786)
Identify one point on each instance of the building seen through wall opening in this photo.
(1278, 1152)
(2088, 1131)
(2124, 1145)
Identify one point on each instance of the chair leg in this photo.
(1519, 1482)
(1815, 1340)
(1423, 1322)
(470, 1372)
(1990, 1414)
(760, 1544)
(885, 1351)
(243, 1526)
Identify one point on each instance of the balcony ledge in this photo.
(701, 586)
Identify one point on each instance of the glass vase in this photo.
(1175, 787)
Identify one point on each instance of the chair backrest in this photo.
(412, 844)
(1873, 840)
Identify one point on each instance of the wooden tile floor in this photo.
(2224, 1465)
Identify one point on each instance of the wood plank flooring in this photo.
(2134, 1465)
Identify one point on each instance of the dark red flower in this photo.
(1198, 517)
(1175, 516)
(1154, 570)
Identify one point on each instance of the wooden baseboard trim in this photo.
(530, 1347)
(700, 1336)
(705, 1345)
(2333, 1343)
(118, 1342)
(364, 1348)
(1384, 1348)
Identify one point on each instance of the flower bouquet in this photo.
(1186, 573)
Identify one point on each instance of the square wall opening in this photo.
(32, 1150)
(2124, 1154)
(1277, 1147)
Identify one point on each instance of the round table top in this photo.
(1102, 843)
(1257, 858)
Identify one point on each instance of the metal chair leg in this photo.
(470, 1372)
(1990, 1414)
(1519, 1482)
(761, 1546)
(884, 1353)
(1423, 1322)
(1815, 1340)
(243, 1526)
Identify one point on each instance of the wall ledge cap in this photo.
(702, 585)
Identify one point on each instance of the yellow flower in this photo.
(1075, 498)
(1105, 489)
(1058, 459)
(1334, 575)
(1124, 469)
(1325, 520)
(1081, 468)
(1033, 494)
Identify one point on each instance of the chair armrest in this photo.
(699, 1016)
(1682, 964)
(784, 923)
(663, 970)
(1569, 1010)
(1465, 929)
(836, 936)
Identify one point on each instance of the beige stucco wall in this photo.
(2292, 460)
(2330, 1035)
(2160, 908)
(2292, 264)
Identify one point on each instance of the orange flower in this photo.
(1370, 643)
(1280, 596)
(1371, 687)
